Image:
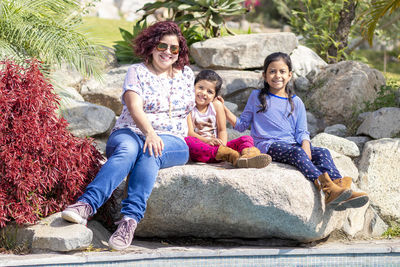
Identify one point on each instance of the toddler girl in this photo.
(207, 138)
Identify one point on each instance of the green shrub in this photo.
(124, 49)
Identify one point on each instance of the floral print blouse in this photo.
(166, 101)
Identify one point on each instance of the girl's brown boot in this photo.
(356, 200)
(333, 193)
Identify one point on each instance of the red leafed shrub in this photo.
(42, 166)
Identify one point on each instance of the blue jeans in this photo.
(125, 157)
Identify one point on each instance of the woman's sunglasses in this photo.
(163, 47)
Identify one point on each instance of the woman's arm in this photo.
(153, 142)
(221, 122)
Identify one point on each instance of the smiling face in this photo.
(163, 60)
(277, 76)
(205, 93)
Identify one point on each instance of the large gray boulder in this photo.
(87, 119)
(380, 175)
(218, 201)
(305, 60)
(341, 88)
(382, 123)
(106, 93)
(242, 51)
(276, 201)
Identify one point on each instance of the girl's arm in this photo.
(134, 104)
(306, 147)
(221, 122)
(301, 134)
(228, 114)
(191, 132)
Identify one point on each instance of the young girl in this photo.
(279, 127)
(207, 138)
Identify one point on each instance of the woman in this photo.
(158, 94)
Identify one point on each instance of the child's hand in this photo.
(220, 99)
(215, 142)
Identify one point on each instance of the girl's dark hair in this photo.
(211, 76)
(265, 90)
(145, 42)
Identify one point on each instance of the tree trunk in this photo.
(347, 15)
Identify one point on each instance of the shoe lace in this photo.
(82, 207)
(124, 228)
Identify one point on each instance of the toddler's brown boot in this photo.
(251, 157)
(225, 153)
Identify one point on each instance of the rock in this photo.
(336, 129)
(241, 51)
(86, 119)
(355, 221)
(107, 10)
(65, 76)
(217, 201)
(234, 81)
(302, 85)
(233, 134)
(359, 140)
(380, 175)
(341, 88)
(68, 93)
(209, 201)
(345, 165)
(304, 60)
(55, 234)
(314, 125)
(339, 144)
(374, 226)
(362, 116)
(106, 94)
(383, 123)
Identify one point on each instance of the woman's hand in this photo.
(154, 143)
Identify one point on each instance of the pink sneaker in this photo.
(77, 213)
(123, 236)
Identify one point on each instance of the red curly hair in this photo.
(145, 42)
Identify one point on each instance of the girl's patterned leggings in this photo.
(321, 160)
(202, 152)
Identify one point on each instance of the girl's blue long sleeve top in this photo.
(274, 124)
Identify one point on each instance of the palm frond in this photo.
(48, 31)
(377, 10)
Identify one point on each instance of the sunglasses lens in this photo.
(162, 47)
(174, 49)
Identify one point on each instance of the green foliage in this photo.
(192, 34)
(393, 230)
(49, 31)
(9, 243)
(208, 14)
(376, 11)
(386, 97)
(316, 21)
(124, 49)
